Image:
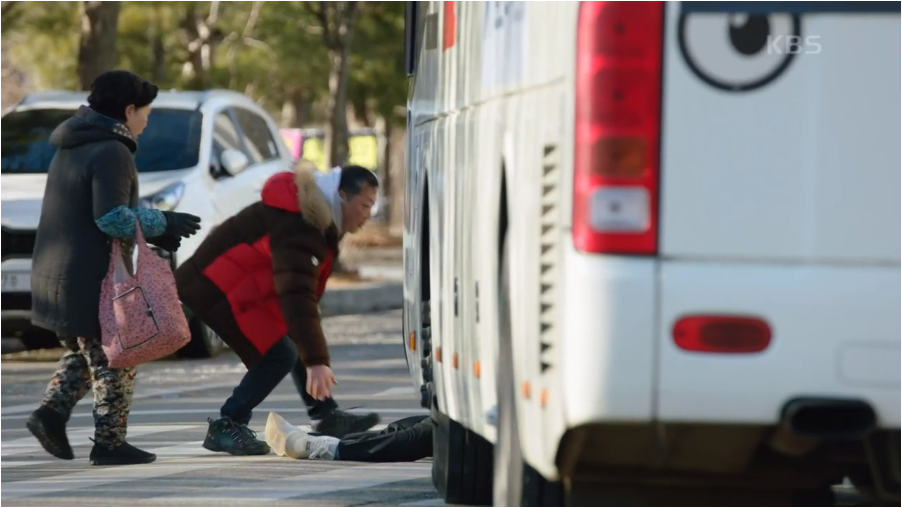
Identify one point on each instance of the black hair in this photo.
(355, 178)
(113, 91)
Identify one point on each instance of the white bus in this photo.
(652, 250)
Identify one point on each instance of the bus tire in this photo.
(462, 463)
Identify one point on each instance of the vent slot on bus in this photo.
(549, 239)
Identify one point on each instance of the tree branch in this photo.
(252, 18)
(347, 22)
(10, 12)
(214, 12)
(320, 15)
(7, 7)
(254, 43)
(244, 40)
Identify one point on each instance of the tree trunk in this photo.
(387, 187)
(97, 49)
(158, 54)
(361, 110)
(337, 20)
(303, 105)
(397, 167)
(202, 37)
(294, 109)
(337, 133)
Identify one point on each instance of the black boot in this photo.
(123, 454)
(338, 423)
(229, 436)
(49, 428)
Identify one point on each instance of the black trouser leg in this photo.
(260, 381)
(316, 409)
(405, 440)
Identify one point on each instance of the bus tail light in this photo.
(722, 334)
(618, 96)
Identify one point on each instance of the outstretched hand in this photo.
(320, 381)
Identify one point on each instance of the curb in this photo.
(362, 299)
(11, 345)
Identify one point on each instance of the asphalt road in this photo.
(174, 398)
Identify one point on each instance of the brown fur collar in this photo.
(311, 201)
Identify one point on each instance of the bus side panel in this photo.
(486, 176)
(413, 276)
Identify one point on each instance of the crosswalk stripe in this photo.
(436, 501)
(183, 458)
(335, 480)
(88, 401)
(80, 436)
(23, 463)
(395, 391)
(179, 458)
(94, 478)
(178, 449)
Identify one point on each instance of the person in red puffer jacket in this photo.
(256, 281)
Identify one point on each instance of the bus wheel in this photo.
(462, 463)
(515, 483)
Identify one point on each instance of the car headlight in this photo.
(166, 199)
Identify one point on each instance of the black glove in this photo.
(181, 224)
(167, 242)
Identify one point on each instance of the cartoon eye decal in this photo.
(737, 52)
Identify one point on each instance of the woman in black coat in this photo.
(91, 194)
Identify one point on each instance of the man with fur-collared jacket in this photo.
(256, 281)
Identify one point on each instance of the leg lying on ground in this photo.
(406, 440)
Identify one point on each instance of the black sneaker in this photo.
(49, 428)
(338, 423)
(226, 435)
(120, 455)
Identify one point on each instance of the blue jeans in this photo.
(261, 379)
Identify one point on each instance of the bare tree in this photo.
(337, 20)
(295, 108)
(200, 36)
(237, 41)
(10, 12)
(97, 49)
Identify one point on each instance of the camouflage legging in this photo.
(84, 365)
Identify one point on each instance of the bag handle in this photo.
(139, 234)
(140, 245)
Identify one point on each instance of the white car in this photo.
(205, 153)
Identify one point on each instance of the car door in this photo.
(233, 192)
(262, 142)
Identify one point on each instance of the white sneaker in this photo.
(290, 441)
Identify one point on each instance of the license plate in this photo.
(16, 282)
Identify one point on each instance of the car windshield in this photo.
(170, 141)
